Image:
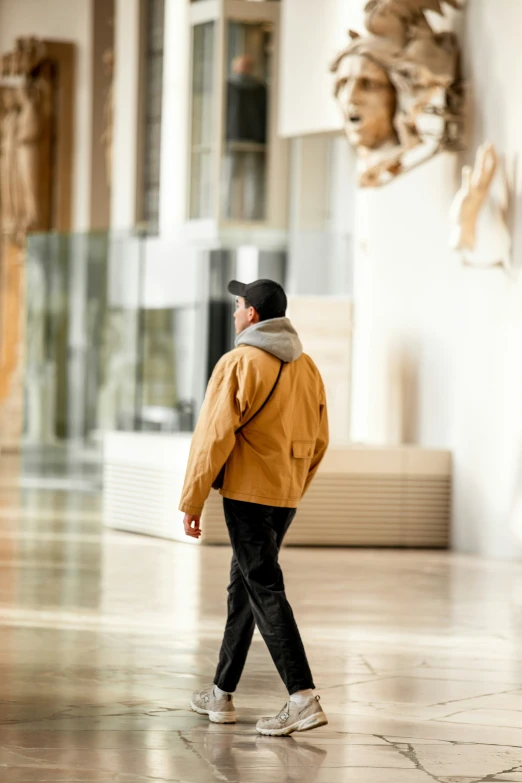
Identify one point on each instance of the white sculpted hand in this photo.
(476, 182)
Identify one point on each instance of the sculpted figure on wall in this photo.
(32, 146)
(36, 146)
(25, 141)
(479, 226)
(9, 185)
(399, 89)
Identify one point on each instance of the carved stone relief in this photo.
(25, 141)
(36, 133)
(479, 213)
(9, 186)
(399, 89)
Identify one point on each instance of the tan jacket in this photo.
(274, 459)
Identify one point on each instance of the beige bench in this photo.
(366, 496)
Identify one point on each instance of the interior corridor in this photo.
(417, 657)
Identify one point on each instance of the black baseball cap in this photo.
(266, 296)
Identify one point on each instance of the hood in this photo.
(276, 336)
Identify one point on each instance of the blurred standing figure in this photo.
(33, 156)
(28, 155)
(9, 190)
(246, 136)
(261, 436)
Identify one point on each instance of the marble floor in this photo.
(417, 657)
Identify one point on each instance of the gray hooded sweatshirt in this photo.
(276, 336)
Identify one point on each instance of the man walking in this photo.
(264, 419)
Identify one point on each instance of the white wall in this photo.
(438, 357)
(313, 31)
(126, 111)
(67, 20)
(312, 317)
(322, 196)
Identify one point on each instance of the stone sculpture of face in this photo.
(368, 102)
(388, 19)
(8, 100)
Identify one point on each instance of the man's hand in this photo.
(191, 525)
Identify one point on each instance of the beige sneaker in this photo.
(294, 717)
(218, 710)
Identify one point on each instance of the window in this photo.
(153, 93)
(244, 172)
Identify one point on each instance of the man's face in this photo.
(244, 316)
(368, 102)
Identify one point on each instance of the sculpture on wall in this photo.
(33, 154)
(9, 185)
(25, 141)
(479, 213)
(400, 89)
(36, 148)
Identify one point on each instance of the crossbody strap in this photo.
(265, 402)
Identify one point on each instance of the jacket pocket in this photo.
(302, 453)
(303, 449)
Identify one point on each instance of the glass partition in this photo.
(122, 333)
(103, 350)
(244, 170)
(81, 336)
(238, 163)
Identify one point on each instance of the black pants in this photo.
(256, 596)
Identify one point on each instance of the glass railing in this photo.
(122, 332)
(109, 344)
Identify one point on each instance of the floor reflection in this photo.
(417, 657)
(272, 758)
